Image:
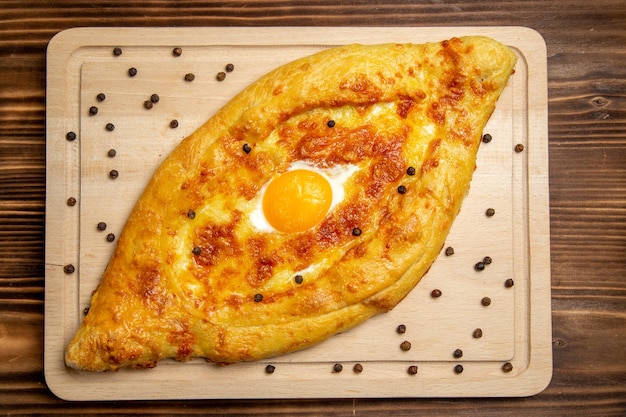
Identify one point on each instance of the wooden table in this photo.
(587, 130)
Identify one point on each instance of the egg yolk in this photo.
(297, 200)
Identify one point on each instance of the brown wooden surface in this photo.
(586, 44)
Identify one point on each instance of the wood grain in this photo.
(587, 128)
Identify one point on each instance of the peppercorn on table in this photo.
(478, 324)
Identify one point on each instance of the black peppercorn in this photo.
(486, 301)
(110, 127)
(113, 173)
(401, 189)
(148, 104)
(401, 329)
(405, 346)
(270, 369)
(101, 97)
(258, 298)
(412, 370)
(299, 279)
(458, 369)
(410, 171)
(509, 283)
(111, 153)
(435, 293)
(189, 77)
(449, 251)
(507, 367)
(191, 214)
(110, 237)
(132, 71)
(71, 201)
(93, 110)
(247, 148)
(154, 98)
(229, 67)
(490, 212)
(458, 353)
(337, 367)
(478, 333)
(117, 51)
(356, 231)
(331, 123)
(70, 136)
(487, 138)
(69, 269)
(102, 226)
(220, 76)
(358, 368)
(177, 51)
(174, 124)
(519, 148)
(479, 266)
(487, 260)
(196, 250)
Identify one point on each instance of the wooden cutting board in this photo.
(91, 95)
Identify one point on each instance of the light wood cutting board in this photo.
(511, 358)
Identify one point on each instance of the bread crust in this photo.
(395, 106)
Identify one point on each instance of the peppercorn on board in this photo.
(129, 109)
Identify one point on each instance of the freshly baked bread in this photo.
(315, 199)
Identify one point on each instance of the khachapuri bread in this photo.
(316, 198)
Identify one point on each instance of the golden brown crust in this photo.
(180, 287)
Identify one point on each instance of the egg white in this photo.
(337, 176)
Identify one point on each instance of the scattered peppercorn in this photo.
(71, 201)
(246, 148)
(111, 153)
(487, 260)
(196, 250)
(174, 124)
(299, 279)
(356, 231)
(486, 301)
(69, 269)
(258, 298)
(519, 148)
(220, 76)
(93, 110)
(70, 136)
(401, 329)
(458, 353)
(229, 67)
(412, 370)
(110, 127)
(487, 138)
(401, 189)
(479, 266)
(478, 333)
(191, 214)
(102, 226)
(101, 97)
(358, 368)
(270, 369)
(490, 212)
(509, 283)
(405, 346)
(331, 123)
(449, 251)
(189, 77)
(114, 174)
(337, 367)
(435, 293)
(410, 171)
(177, 51)
(458, 369)
(110, 237)
(132, 71)
(148, 104)
(154, 98)
(117, 51)
(507, 367)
